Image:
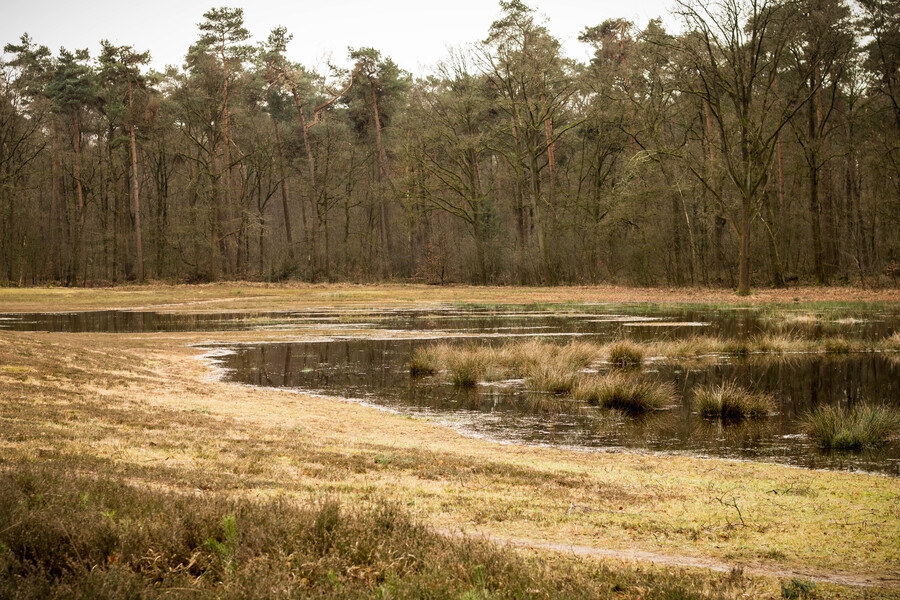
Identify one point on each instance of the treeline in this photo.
(760, 145)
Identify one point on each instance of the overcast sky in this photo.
(416, 34)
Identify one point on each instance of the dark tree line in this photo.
(761, 145)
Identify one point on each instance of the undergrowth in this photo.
(65, 536)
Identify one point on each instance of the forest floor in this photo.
(147, 411)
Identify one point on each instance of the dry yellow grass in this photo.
(264, 296)
(146, 409)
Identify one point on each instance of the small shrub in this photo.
(632, 395)
(730, 401)
(625, 354)
(864, 426)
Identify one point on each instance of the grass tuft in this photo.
(553, 377)
(632, 395)
(864, 426)
(891, 343)
(625, 354)
(426, 360)
(465, 369)
(730, 401)
(838, 345)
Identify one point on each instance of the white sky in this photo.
(416, 34)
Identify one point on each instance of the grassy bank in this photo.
(113, 447)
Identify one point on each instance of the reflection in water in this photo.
(375, 371)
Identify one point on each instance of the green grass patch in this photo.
(863, 426)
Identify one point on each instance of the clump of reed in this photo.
(730, 401)
(632, 395)
(736, 347)
(863, 426)
(625, 354)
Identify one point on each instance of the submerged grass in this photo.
(730, 401)
(863, 426)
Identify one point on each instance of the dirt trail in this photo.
(890, 581)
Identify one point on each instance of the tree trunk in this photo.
(381, 159)
(79, 254)
(135, 194)
(285, 203)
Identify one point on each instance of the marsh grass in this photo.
(427, 360)
(137, 414)
(730, 401)
(543, 361)
(553, 377)
(465, 369)
(778, 344)
(839, 345)
(689, 348)
(863, 426)
(626, 354)
(625, 393)
(891, 343)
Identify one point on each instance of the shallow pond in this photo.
(373, 369)
(375, 372)
(363, 355)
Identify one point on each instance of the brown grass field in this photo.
(130, 434)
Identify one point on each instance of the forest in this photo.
(757, 146)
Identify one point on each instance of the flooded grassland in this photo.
(137, 408)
